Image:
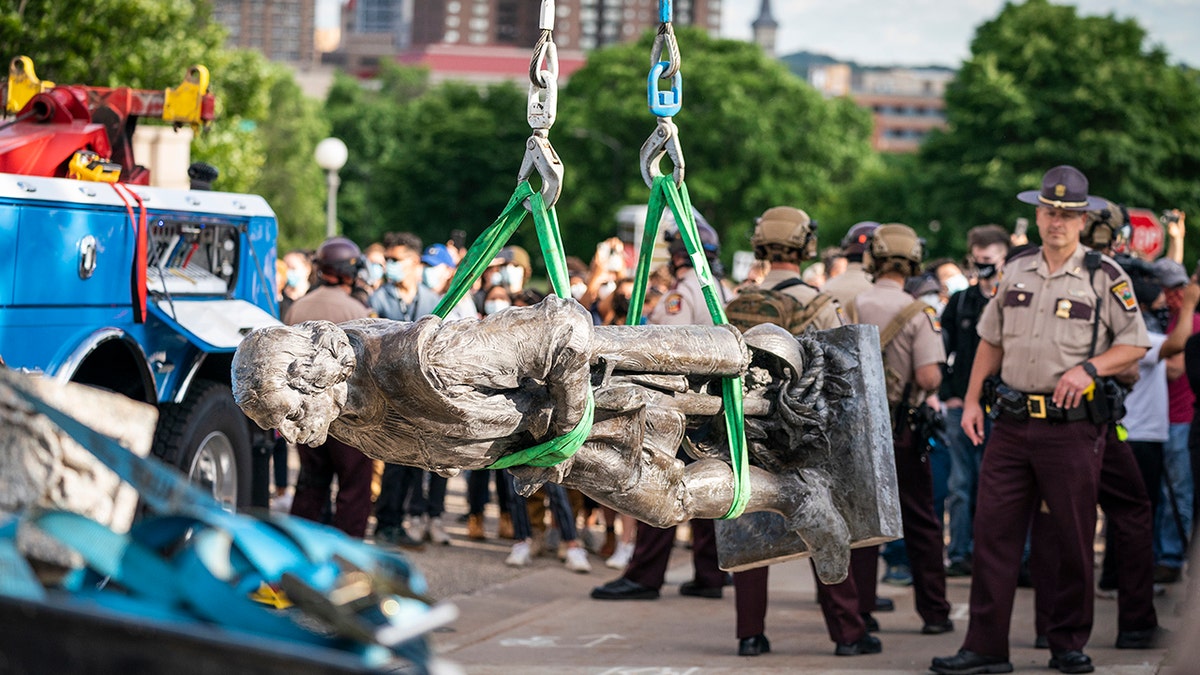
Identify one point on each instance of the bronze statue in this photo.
(454, 395)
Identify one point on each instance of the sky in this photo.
(937, 32)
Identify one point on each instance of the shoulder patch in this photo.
(1124, 294)
(934, 321)
(674, 303)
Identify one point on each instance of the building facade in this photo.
(490, 40)
(905, 103)
(283, 30)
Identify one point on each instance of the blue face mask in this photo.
(374, 272)
(296, 278)
(395, 271)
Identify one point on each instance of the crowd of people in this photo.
(1029, 386)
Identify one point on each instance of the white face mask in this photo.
(577, 290)
(435, 277)
(606, 290)
(956, 283)
(492, 306)
(516, 275)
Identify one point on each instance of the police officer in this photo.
(1125, 480)
(643, 578)
(910, 336)
(845, 286)
(338, 262)
(785, 237)
(1062, 317)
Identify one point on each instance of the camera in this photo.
(1169, 217)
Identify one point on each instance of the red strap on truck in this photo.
(137, 280)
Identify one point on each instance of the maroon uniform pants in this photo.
(1122, 495)
(1027, 465)
(843, 604)
(652, 553)
(318, 466)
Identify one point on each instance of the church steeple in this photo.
(764, 28)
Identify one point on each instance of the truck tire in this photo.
(207, 438)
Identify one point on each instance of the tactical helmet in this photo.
(338, 256)
(785, 226)
(1106, 227)
(858, 239)
(895, 240)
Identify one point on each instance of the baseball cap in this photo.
(437, 254)
(1170, 273)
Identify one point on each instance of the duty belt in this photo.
(1041, 407)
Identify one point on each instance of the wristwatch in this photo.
(1090, 369)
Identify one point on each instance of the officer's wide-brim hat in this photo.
(1063, 187)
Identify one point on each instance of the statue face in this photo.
(283, 381)
(304, 418)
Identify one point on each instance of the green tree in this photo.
(150, 44)
(1044, 86)
(753, 136)
(427, 159)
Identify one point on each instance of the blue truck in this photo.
(141, 290)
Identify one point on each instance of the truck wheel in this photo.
(207, 438)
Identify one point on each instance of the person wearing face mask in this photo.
(436, 274)
(950, 278)
(987, 246)
(376, 261)
(403, 297)
(297, 276)
(495, 299)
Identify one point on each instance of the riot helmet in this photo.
(339, 258)
(858, 239)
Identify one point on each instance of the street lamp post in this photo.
(331, 155)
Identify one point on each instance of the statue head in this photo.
(293, 378)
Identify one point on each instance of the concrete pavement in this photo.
(540, 620)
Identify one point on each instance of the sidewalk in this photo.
(540, 620)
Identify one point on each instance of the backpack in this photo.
(756, 305)
(889, 332)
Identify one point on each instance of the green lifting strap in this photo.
(473, 265)
(664, 193)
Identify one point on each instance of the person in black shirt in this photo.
(988, 245)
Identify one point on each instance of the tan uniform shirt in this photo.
(828, 317)
(1043, 321)
(684, 304)
(326, 303)
(919, 342)
(847, 285)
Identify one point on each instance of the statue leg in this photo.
(662, 491)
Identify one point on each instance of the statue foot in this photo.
(821, 526)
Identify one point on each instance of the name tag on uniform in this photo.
(1065, 308)
(1017, 299)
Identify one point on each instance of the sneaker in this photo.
(620, 559)
(520, 555)
(577, 560)
(898, 575)
(436, 533)
(1106, 593)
